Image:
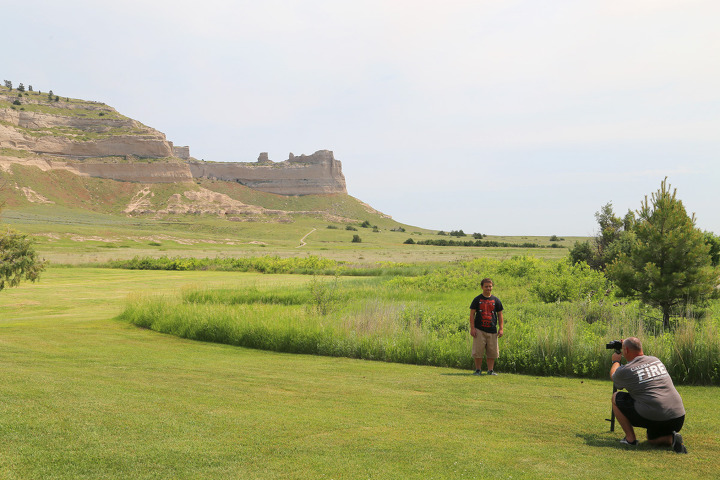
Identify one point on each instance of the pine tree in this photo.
(669, 261)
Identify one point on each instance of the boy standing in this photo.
(486, 326)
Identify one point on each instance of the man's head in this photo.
(487, 286)
(632, 348)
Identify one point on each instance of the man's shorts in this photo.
(655, 429)
(485, 343)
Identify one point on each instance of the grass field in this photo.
(85, 396)
(76, 237)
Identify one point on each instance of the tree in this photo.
(613, 238)
(356, 239)
(668, 262)
(21, 88)
(18, 260)
(8, 84)
(714, 242)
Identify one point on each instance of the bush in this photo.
(356, 239)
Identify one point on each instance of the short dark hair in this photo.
(484, 281)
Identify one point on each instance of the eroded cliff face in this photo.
(319, 173)
(75, 129)
(81, 136)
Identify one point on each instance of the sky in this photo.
(502, 117)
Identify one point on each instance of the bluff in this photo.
(93, 139)
(302, 175)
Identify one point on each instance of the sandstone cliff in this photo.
(75, 129)
(93, 139)
(318, 173)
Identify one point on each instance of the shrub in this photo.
(356, 239)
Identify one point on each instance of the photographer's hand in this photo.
(616, 358)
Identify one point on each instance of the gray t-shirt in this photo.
(648, 382)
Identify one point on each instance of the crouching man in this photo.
(651, 400)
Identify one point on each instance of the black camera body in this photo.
(615, 345)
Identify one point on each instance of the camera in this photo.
(615, 345)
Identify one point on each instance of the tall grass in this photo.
(424, 320)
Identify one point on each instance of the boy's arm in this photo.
(473, 332)
(501, 323)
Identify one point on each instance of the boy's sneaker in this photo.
(677, 444)
(477, 372)
(491, 372)
(634, 443)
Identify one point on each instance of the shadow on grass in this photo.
(602, 440)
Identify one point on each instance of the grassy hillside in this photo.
(81, 219)
(63, 106)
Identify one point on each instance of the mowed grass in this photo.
(86, 396)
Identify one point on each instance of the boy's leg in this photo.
(478, 350)
(493, 350)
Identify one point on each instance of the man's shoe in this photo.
(677, 444)
(491, 372)
(634, 443)
(477, 372)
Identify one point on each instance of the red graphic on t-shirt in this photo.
(486, 309)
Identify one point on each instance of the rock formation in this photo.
(83, 137)
(71, 134)
(307, 174)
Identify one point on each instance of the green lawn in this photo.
(85, 396)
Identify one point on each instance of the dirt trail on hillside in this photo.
(302, 240)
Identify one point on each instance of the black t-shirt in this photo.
(487, 310)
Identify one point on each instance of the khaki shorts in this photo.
(485, 343)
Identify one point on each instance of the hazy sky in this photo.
(495, 116)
